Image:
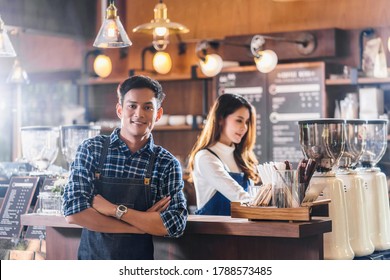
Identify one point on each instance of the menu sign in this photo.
(295, 92)
(16, 202)
(39, 232)
(250, 85)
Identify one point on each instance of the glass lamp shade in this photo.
(18, 75)
(111, 33)
(102, 66)
(6, 48)
(211, 65)
(162, 62)
(388, 44)
(267, 61)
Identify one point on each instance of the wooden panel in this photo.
(219, 18)
(222, 247)
(62, 243)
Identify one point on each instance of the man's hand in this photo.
(103, 206)
(160, 205)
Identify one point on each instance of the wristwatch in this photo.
(120, 211)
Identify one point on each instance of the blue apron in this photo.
(219, 204)
(135, 194)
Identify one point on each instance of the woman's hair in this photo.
(226, 105)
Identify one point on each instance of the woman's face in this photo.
(234, 126)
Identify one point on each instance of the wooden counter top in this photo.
(199, 224)
(45, 220)
(206, 237)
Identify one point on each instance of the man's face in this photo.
(138, 113)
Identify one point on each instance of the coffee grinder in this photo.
(323, 140)
(355, 194)
(40, 147)
(72, 136)
(375, 184)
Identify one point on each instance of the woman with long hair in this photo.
(222, 162)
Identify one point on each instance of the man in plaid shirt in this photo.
(123, 188)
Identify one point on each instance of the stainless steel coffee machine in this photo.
(323, 140)
(72, 136)
(375, 184)
(355, 193)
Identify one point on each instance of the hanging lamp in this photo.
(6, 48)
(111, 33)
(161, 27)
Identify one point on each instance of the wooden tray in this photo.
(273, 213)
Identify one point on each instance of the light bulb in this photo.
(160, 38)
(162, 62)
(212, 65)
(161, 31)
(102, 66)
(267, 61)
(112, 29)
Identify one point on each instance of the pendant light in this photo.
(6, 48)
(210, 64)
(18, 75)
(111, 33)
(161, 27)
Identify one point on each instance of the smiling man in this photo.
(123, 188)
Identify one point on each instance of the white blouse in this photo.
(211, 175)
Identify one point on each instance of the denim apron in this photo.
(219, 204)
(133, 193)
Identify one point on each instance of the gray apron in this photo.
(133, 193)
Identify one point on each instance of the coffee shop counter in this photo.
(206, 237)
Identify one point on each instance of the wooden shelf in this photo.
(117, 80)
(364, 80)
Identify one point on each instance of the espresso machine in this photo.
(375, 184)
(355, 193)
(323, 140)
(72, 136)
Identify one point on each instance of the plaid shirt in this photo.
(120, 162)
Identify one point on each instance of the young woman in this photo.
(222, 161)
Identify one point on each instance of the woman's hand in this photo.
(103, 206)
(160, 205)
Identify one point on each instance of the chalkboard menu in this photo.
(16, 202)
(295, 92)
(39, 232)
(251, 85)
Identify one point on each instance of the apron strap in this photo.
(213, 153)
(102, 158)
(224, 166)
(149, 171)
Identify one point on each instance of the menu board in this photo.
(251, 85)
(295, 92)
(16, 202)
(39, 232)
(35, 232)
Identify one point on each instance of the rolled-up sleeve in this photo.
(175, 217)
(78, 191)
